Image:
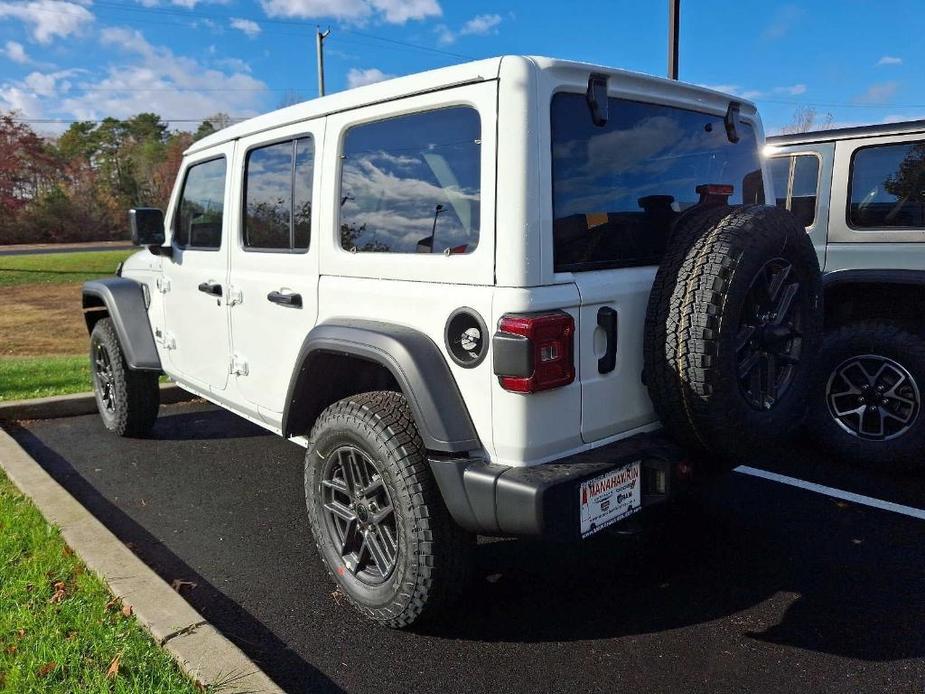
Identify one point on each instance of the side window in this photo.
(198, 223)
(277, 196)
(796, 180)
(888, 186)
(780, 177)
(803, 188)
(411, 184)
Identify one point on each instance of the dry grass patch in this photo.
(41, 320)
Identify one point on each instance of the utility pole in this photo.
(320, 36)
(674, 30)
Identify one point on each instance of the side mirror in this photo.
(147, 226)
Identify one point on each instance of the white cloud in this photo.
(248, 26)
(391, 11)
(148, 78)
(784, 20)
(15, 52)
(481, 25)
(48, 18)
(878, 93)
(792, 90)
(357, 77)
(890, 60)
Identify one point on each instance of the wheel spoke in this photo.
(745, 334)
(341, 511)
(771, 365)
(383, 562)
(375, 484)
(782, 310)
(749, 363)
(777, 282)
(338, 485)
(381, 515)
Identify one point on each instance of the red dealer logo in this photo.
(605, 485)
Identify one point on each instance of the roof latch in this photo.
(597, 99)
(731, 120)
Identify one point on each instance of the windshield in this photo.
(617, 188)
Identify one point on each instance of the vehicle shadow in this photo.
(203, 422)
(809, 577)
(285, 667)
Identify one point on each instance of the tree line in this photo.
(78, 186)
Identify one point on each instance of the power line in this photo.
(260, 20)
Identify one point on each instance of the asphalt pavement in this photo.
(750, 585)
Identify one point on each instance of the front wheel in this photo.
(867, 398)
(379, 522)
(127, 400)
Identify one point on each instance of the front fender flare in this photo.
(414, 361)
(125, 302)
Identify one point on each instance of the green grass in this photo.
(58, 268)
(37, 377)
(60, 629)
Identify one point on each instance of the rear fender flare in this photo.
(413, 360)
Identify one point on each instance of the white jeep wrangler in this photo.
(478, 296)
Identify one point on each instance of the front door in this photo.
(195, 276)
(274, 262)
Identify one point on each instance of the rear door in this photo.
(617, 188)
(802, 178)
(274, 261)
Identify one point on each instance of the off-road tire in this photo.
(883, 339)
(660, 337)
(696, 376)
(135, 396)
(434, 554)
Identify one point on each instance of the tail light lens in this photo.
(549, 340)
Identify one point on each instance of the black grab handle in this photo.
(211, 288)
(293, 300)
(607, 320)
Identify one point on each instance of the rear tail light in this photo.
(538, 352)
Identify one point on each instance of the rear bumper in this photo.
(542, 500)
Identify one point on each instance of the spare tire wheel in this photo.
(743, 321)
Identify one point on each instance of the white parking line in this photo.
(836, 493)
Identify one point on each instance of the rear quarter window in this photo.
(411, 184)
(618, 188)
(888, 186)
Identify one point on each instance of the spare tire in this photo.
(733, 324)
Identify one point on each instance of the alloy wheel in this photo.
(358, 515)
(873, 397)
(769, 341)
(104, 377)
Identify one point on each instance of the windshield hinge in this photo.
(163, 285)
(597, 99)
(731, 120)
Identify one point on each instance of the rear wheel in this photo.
(127, 400)
(379, 522)
(867, 396)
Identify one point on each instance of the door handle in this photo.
(607, 320)
(293, 300)
(211, 288)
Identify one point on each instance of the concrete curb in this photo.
(201, 651)
(74, 405)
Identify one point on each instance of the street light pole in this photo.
(674, 30)
(319, 45)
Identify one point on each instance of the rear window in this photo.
(617, 189)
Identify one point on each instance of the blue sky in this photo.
(187, 59)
